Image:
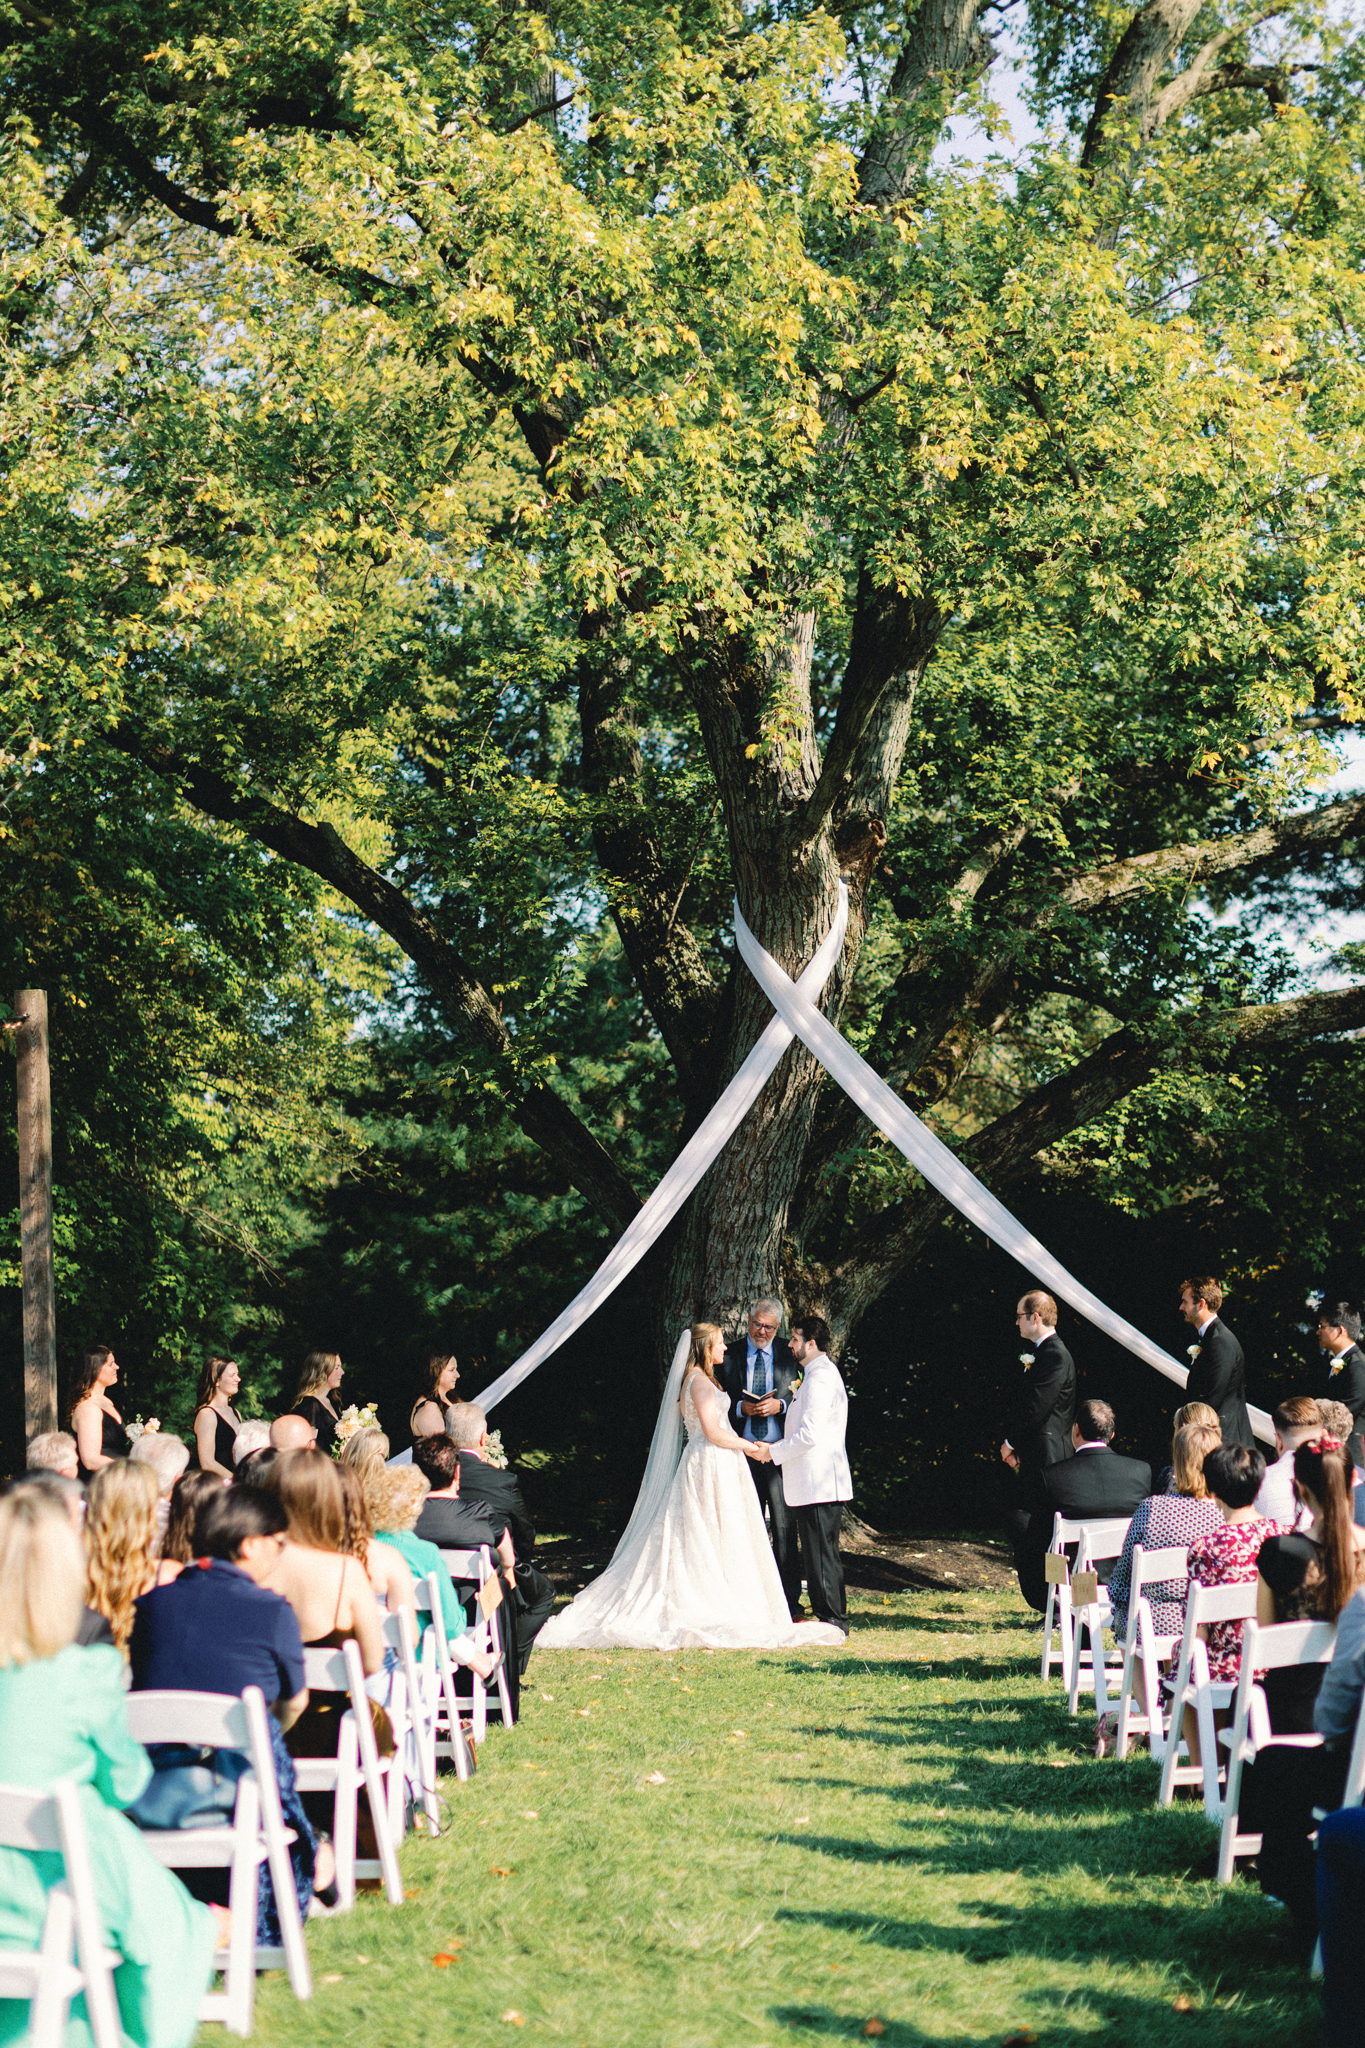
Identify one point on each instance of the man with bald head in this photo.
(292, 1433)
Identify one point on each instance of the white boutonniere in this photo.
(1336, 1368)
(1192, 1351)
(1026, 1359)
(794, 1387)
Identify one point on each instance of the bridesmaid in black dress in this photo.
(318, 1383)
(95, 1422)
(216, 1421)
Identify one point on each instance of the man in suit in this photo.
(455, 1524)
(1093, 1484)
(1339, 1336)
(1041, 1431)
(498, 1489)
(813, 1467)
(1217, 1367)
(757, 1374)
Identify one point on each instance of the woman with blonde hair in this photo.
(62, 1716)
(394, 1501)
(122, 1538)
(319, 1378)
(95, 1422)
(694, 1567)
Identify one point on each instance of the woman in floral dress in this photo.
(1228, 1557)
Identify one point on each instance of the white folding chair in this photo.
(476, 1567)
(256, 1834)
(412, 1711)
(1194, 1688)
(357, 1763)
(47, 1976)
(1100, 1540)
(448, 1730)
(1274, 1648)
(1145, 1651)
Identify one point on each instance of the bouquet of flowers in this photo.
(493, 1452)
(137, 1427)
(352, 1419)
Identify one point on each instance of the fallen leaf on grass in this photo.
(801, 1820)
(656, 1778)
(959, 1788)
(362, 1959)
(444, 1961)
(874, 2027)
(1059, 1763)
(1182, 2002)
(582, 1713)
(548, 1696)
(502, 1869)
(513, 2018)
(413, 1892)
(529, 1813)
(332, 1977)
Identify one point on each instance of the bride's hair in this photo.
(702, 1334)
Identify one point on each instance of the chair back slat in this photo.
(1159, 1565)
(325, 1670)
(463, 1564)
(28, 1820)
(1285, 1643)
(211, 1720)
(1102, 1538)
(1219, 1603)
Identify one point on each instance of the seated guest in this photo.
(69, 1495)
(1227, 1556)
(62, 1716)
(1296, 1421)
(252, 1436)
(394, 1500)
(219, 1629)
(387, 1571)
(1339, 1422)
(167, 1456)
(499, 1489)
(292, 1433)
(216, 1421)
(1192, 1411)
(454, 1524)
(122, 1540)
(1096, 1483)
(319, 1380)
(331, 1595)
(1310, 1577)
(1166, 1520)
(1341, 1915)
(1287, 1782)
(53, 1451)
(191, 1491)
(252, 1470)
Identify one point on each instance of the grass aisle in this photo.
(905, 1831)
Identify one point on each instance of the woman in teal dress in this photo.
(62, 1716)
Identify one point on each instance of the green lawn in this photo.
(906, 1830)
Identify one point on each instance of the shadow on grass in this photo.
(1136, 1844)
(1075, 2026)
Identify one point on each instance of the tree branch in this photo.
(1122, 1063)
(1146, 47)
(942, 42)
(544, 1116)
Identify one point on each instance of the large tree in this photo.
(508, 463)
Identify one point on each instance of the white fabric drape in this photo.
(941, 1168)
(704, 1146)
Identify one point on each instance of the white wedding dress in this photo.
(696, 1573)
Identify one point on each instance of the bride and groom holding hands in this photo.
(754, 1425)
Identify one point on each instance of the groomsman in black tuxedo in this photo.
(1040, 1433)
(1339, 1335)
(757, 1376)
(1217, 1367)
(1094, 1484)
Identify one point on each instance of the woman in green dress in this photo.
(62, 1716)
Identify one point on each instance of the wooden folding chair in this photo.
(1273, 1648)
(47, 1976)
(448, 1730)
(1100, 1540)
(476, 1567)
(1145, 1651)
(256, 1834)
(356, 1764)
(1194, 1688)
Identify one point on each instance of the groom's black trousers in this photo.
(820, 1526)
(782, 1523)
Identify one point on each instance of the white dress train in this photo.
(701, 1576)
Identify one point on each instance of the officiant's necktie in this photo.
(765, 1428)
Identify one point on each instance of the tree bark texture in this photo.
(35, 1213)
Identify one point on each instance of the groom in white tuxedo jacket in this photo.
(815, 1474)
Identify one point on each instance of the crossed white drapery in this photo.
(797, 1016)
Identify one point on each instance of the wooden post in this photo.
(35, 1213)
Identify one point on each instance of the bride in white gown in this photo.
(694, 1569)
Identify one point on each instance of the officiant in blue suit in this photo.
(757, 1376)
